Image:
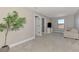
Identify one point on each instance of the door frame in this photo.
(35, 25)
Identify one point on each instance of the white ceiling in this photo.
(56, 11)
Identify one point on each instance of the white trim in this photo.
(40, 25)
(34, 27)
(26, 40)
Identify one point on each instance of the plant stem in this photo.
(6, 33)
(6, 37)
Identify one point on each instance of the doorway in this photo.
(38, 26)
(43, 26)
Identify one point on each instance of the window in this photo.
(61, 23)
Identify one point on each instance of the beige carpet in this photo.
(54, 42)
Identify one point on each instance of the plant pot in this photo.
(4, 48)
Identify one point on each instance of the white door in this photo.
(38, 26)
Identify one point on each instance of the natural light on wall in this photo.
(61, 23)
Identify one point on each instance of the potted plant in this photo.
(12, 22)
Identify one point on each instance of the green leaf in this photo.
(2, 27)
(13, 21)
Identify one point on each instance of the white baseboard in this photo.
(26, 40)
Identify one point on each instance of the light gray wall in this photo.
(69, 22)
(77, 20)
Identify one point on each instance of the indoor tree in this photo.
(12, 22)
